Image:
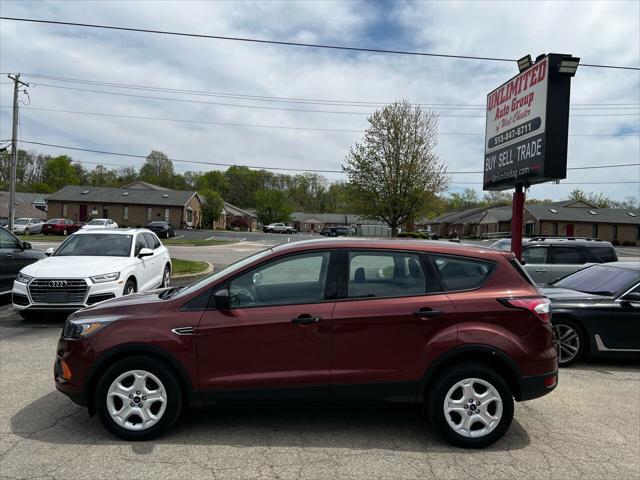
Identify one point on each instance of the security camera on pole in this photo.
(527, 131)
(14, 149)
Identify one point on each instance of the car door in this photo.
(156, 260)
(275, 338)
(536, 263)
(144, 269)
(12, 259)
(389, 306)
(565, 259)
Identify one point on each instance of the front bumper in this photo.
(96, 292)
(77, 357)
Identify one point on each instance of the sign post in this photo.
(527, 130)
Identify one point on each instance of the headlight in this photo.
(22, 278)
(107, 277)
(83, 328)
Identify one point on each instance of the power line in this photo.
(293, 44)
(104, 152)
(282, 127)
(262, 107)
(265, 98)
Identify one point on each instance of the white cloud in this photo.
(607, 32)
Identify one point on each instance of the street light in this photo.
(569, 65)
(524, 63)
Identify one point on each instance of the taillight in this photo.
(538, 306)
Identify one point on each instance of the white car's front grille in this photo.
(58, 290)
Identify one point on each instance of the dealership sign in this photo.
(527, 127)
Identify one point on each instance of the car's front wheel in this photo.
(129, 287)
(471, 405)
(138, 398)
(569, 340)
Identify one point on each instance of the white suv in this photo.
(100, 223)
(91, 266)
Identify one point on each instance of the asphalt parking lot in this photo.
(587, 429)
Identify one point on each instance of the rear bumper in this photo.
(535, 386)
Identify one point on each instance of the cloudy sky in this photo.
(344, 86)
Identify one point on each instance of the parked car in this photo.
(278, 228)
(336, 231)
(101, 223)
(61, 226)
(547, 259)
(91, 266)
(596, 312)
(458, 327)
(14, 255)
(162, 229)
(27, 226)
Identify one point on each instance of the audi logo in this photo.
(58, 283)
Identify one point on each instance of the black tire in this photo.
(27, 315)
(441, 386)
(171, 386)
(129, 287)
(167, 270)
(561, 326)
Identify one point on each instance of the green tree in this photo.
(213, 180)
(394, 172)
(497, 199)
(272, 206)
(211, 207)
(158, 169)
(60, 171)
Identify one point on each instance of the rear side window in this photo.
(566, 255)
(461, 273)
(535, 255)
(600, 254)
(140, 244)
(152, 241)
(385, 274)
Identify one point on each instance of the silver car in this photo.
(27, 226)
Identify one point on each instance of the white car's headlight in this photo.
(107, 277)
(22, 278)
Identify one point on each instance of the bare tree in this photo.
(394, 172)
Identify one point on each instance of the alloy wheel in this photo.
(166, 278)
(136, 400)
(568, 342)
(473, 407)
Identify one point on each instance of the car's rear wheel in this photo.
(471, 405)
(166, 277)
(64, 232)
(138, 398)
(570, 341)
(129, 287)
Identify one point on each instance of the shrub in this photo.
(615, 242)
(412, 235)
(240, 223)
(628, 243)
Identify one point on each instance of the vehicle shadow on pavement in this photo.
(54, 419)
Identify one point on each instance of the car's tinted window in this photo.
(141, 243)
(566, 255)
(96, 244)
(535, 255)
(292, 280)
(7, 240)
(21, 221)
(385, 274)
(152, 241)
(600, 254)
(55, 220)
(461, 273)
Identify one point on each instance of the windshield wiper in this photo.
(167, 294)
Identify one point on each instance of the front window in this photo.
(7, 240)
(600, 279)
(385, 274)
(291, 280)
(96, 244)
(21, 221)
(97, 222)
(55, 220)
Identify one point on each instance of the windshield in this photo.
(211, 279)
(600, 279)
(21, 221)
(157, 224)
(96, 244)
(97, 222)
(501, 245)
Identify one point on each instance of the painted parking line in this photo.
(210, 238)
(179, 236)
(243, 239)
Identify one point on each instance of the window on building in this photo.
(554, 229)
(637, 232)
(149, 214)
(64, 210)
(189, 216)
(530, 229)
(166, 215)
(614, 232)
(125, 212)
(594, 230)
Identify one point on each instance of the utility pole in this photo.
(14, 149)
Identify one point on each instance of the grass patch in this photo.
(182, 267)
(41, 238)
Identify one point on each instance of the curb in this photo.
(199, 274)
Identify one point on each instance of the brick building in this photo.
(133, 205)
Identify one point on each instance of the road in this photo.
(586, 429)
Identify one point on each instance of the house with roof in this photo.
(233, 217)
(137, 203)
(316, 222)
(27, 205)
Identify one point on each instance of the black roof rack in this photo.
(561, 237)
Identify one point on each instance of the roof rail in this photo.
(562, 237)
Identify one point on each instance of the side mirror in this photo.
(631, 297)
(26, 246)
(49, 251)
(221, 299)
(257, 277)
(145, 252)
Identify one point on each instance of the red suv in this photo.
(461, 328)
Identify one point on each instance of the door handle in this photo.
(541, 270)
(9, 255)
(305, 319)
(427, 312)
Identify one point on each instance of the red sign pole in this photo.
(517, 212)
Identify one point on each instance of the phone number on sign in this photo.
(515, 132)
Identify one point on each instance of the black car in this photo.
(162, 229)
(596, 312)
(14, 255)
(336, 231)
